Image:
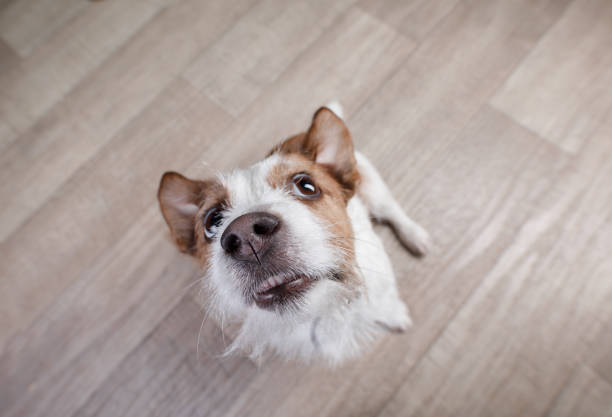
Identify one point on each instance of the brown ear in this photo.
(329, 143)
(179, 199)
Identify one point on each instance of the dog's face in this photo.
(275, 236)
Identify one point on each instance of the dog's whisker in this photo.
(353, 238)
(204, 319)
(193, 284)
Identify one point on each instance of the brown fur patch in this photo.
(187, 228)
(295, 144)
(326, 127)
(329, 206)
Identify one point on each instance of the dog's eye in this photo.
(304, 186)
(212, 220)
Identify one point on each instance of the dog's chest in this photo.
(339, 330)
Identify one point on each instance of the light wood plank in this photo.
(561, 91)
(117, 281)
(7, 133)
(8, 61)
(585, 395)
(54, 367)
(449, 77)
(107, 194)
(532, 320)
(599, 354)
(164, 376)
(600, 358)
(30, 89)
(345, 63)
(251, 56)
(50, 152)
(414, 19)
(25, 24)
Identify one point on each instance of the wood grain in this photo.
(560, 91)
(66, 354)
(601, 358)
(490, 337)
(489, 120)
(31, 88)
(179, 383)
(585, 395)
(8, 126)
(113, 189)
(332, 69)
(251, 56)
(280, 109)
(74, 130)
(25, 24)
(112, 268)
(450, 76)
(414, 19)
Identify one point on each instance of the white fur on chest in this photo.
(335, 325)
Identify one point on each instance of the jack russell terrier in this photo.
(288, 247)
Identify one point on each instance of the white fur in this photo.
(333, 322)
(336, 107)
(249, 192)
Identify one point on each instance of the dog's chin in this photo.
(280, 291)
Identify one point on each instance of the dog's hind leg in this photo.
(383, 207)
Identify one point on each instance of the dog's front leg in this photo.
(383, 207)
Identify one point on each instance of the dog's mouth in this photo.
(280, 289)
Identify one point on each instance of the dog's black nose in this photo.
(249, 236)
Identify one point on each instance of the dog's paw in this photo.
(416, 239)
(398, 324)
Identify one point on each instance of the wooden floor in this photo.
(491, 121)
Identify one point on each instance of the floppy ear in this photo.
(179, 200)
(329, 143)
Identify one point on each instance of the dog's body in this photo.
(289, 248)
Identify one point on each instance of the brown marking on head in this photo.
(325, 152)
(329, 205)
(183, 203)
(328, 143)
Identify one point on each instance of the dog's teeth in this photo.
(278, 280)
(296, 282)
(265, 296)
(270, 283)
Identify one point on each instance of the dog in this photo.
(288, 247)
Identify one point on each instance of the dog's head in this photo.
(275, 236)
